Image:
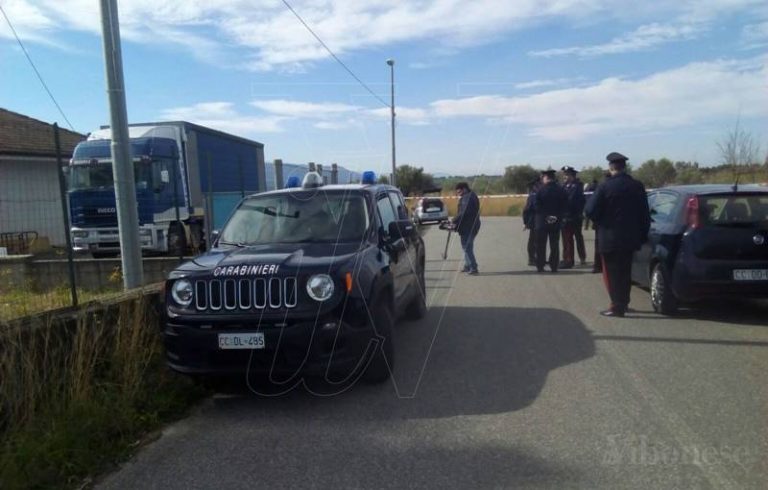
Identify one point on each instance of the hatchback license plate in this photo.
(241, 340)
(750, 274)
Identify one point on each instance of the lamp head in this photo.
(390, 62)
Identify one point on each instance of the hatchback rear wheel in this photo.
(662, 297)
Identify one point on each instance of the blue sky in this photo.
(480, 85)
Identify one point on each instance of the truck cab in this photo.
(303, 280)
(186, 178)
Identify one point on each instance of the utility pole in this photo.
(391, 64)
(122, 163)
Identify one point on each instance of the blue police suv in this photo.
(706, 241)
(304, 280)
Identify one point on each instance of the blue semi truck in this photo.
(188, 180)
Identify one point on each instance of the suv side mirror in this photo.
(401, 229)
(214, 237)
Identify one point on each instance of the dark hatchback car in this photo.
(705, 242)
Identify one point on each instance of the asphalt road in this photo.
(512, 381)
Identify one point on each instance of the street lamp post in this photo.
(391, 64)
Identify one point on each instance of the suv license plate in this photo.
(241, 340)
(750, 274)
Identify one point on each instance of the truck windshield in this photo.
(99, 175)
(298, 217)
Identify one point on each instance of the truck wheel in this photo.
(662, 297)
(177, 240)
(380, 364)
(418, 307)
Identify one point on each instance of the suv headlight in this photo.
(182, 292)
(320, 287)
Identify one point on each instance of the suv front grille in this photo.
(246, 294)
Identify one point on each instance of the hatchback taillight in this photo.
(693, 217)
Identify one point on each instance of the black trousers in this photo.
(617, 275)
(531, 245)
(598, 260)
(549, 233)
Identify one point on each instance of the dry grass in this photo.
(76, 394)
(21, 302)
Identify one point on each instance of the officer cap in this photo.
(616, 157)
(569, 170)
(548, 173)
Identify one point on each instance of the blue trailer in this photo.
(188, 180)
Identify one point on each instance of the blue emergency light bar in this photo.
(293, 181)
(369, 177)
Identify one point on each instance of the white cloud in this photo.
(680, 97)
(644, 37)
(268, 36)
(414, 116)
(272, 37)
(545, 83)
(224, 117)
(755, 35)
(311, 110)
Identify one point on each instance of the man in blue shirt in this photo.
(467, 223)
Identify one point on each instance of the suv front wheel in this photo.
(381, 362)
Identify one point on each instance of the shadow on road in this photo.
(457, 361)
(741, 312)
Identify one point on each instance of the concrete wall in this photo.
(90, 274)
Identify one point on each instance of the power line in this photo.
(334, 55)
(39, 76)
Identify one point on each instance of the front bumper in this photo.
(309, 347)
(151, 237)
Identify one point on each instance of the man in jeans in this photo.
(467, 223)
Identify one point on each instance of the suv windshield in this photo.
(734, 209)
(298, 217)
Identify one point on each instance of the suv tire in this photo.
(379, 367)
(418, 307)
(663, 299)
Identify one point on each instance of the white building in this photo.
(30, 200)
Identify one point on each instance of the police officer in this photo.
(529, 220)
(573, 218)
(467, 224)
(620, 211)
(549, 204)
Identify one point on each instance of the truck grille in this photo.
(246, 294)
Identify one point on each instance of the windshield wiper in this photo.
(238, 244)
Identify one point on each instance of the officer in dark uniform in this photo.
(620, 211)
(573, 218)
(529, 220)
(549, 204)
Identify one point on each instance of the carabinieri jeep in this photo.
(304, 280)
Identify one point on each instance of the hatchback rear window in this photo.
(432, 203)
(734, 209)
